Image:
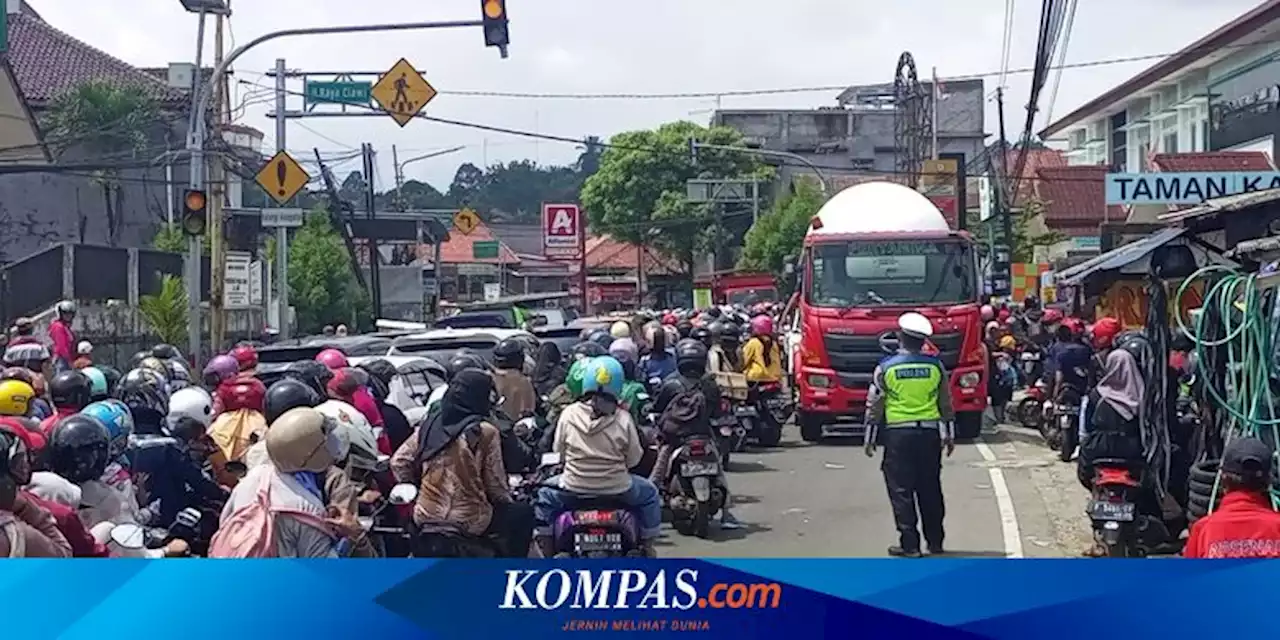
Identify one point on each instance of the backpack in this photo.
(14, 534)
(686, 409)
(249, 532)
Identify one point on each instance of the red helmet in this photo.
(1104, 332)
(246, 356)
(762, 325)
(669, 318)
(1075, 326)
(333, 359)
(988, 312)
(242, 394)
(1051, 316)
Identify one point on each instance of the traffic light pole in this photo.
(196, 136)
(282, 233)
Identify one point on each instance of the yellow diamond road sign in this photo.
(282, 178)
(466, 221)
(403, 92)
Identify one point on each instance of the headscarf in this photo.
(548, 372)
(466, 403)
(1121, 384)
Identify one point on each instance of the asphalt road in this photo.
(829, 500)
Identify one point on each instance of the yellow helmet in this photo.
(15, 397)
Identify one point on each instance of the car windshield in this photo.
(477, 320)
(286, 355)
(891, 272)
(752, 296)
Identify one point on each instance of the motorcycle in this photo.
(390, 538)
(1066, 430)
(774, 410)
(735, 424)
(693, 488)
(130, 540)
(1113, 510)
(597, 527)
(1031, 407)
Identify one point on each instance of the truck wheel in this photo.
(968, 425)
(810, 427)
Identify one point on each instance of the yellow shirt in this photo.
(753, 361)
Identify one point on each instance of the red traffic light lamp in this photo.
(194, 219)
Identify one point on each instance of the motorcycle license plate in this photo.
(726, 430)
(1111, 511)
(589, 541)
(745, 411)
(690, 469)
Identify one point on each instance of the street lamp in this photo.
(212, 7)
(401, 165)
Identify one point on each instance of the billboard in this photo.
(562, 231)
(1185, 188)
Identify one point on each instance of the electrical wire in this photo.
(1062, 59)
(1006, 46)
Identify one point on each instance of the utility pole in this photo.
(218, 193)
(395, 162)
(282, 233)
(195, 144)
(933, 108)
(1008, 200)
(370, 203)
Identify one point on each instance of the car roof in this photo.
(444, 335)
(403, 363)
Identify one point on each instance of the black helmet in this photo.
(70, 389)
(112, 375)
(380, 372)
(691, 357)
(311, 373)
(287, 394)
(602, 338)
(464, 360)
(166, 352)
(509, 354)
(589, 350)
(731, 334)
(145, 393)
(717, 329)
(713, 312)
(701, 334)
(684, 328)
(1136, 343)
(138, 357)
(79, 448)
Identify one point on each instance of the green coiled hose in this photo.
(1245, 393)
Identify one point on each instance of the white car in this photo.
(442, 344)
(416, 377)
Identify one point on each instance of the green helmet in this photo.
(575, 378)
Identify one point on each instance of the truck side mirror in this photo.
(789, 269)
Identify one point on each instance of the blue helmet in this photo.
(603, 374)
(119, 422)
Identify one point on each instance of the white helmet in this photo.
(620, 329)
(355, 436)
(66, 307)
(914, 324)
(192, 402)
(84, 348)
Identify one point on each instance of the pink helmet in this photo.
(762, 325)
(333, 359)
(220, 367)
(988, 312)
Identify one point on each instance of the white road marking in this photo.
(1004, 502)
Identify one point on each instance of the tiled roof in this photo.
(521, 237)
(604, 252)
(48, 62)
(1075, 196)
(458, 248)
(1213, 161)
(1037, 159)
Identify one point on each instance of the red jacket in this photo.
(63, 341)
(1243, 526)
(68, 522)
(47, 425)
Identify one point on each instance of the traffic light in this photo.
(494, 21)
(194, 221)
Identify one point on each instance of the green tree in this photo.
(638, 193)
(165, 313)
(169, 237)
(110, 123)
(321, 285)
(778, 234)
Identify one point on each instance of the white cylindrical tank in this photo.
(878, 207)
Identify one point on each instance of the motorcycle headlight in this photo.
(820, 381)
(969, 380)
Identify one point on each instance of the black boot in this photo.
(898, 552)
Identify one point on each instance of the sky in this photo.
(610, 46)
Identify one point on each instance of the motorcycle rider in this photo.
(26, 530)
(682, 415)
(455, 458)
(70, 392)
(718, 361)
(84, 355)
(761, 355)
(62, 337)
(314, 375)
(162, 467)
(909, 410)
(517, 398)
(246, 358)
(625, 352)
(50, 492)
(99, 388)
(24, 348)
(360, 397)
(660, 361)
(1243, 525)
(598, 445)
(396, 425)
(549, 369)
(460, 361)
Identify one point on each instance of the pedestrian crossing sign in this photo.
(402, 92)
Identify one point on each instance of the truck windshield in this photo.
(752, 296)
(891, 272)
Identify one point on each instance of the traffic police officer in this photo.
(909, 412)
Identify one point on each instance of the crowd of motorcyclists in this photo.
(157, 462)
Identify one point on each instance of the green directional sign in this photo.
(484, 250)
(338, 92)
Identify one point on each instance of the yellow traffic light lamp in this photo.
(494, 22)
(194, 220)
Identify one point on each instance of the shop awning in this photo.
(1118, 257)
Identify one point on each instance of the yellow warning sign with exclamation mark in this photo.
(282, 177)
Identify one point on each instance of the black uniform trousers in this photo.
(912, 469)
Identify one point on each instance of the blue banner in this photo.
(1185, 188)
(740, 599)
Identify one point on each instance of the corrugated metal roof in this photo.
(1119, 256)
(1224, 204)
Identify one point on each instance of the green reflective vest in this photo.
(910, 385)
